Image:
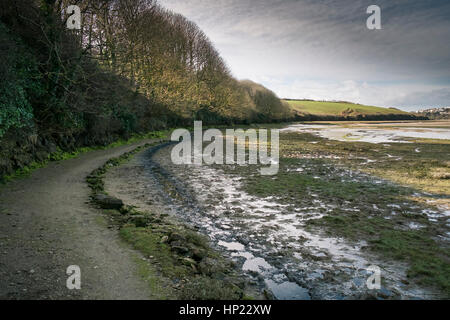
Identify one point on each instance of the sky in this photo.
(323, 50)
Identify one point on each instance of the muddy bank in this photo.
(268, 239)
(372, 134)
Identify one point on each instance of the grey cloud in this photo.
(423, 99)
(327, 40)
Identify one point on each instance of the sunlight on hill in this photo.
(338, 108)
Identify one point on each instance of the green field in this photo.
(325, 108)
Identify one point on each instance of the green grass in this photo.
(149, 243)
(158, 289)
(324, 108)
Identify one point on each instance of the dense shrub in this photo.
(19, 83)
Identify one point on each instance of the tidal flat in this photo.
(335, 208)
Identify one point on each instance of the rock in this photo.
(385, 293)
(126, 209)
(108, 202)
(198, 254)
(41, 155)
(164, 239)
(51, 147)
(180, 250)
(174, 236)
(175, 243)
(140, 221)
(243, 240)
(238, 210)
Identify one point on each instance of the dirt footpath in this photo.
(47, 224)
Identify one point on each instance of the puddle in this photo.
(288, 290)
(415, 226)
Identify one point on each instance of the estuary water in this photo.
(372, 134)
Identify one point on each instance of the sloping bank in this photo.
(178, 261)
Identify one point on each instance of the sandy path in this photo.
(46, 224)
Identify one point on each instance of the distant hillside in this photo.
(342, 110)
